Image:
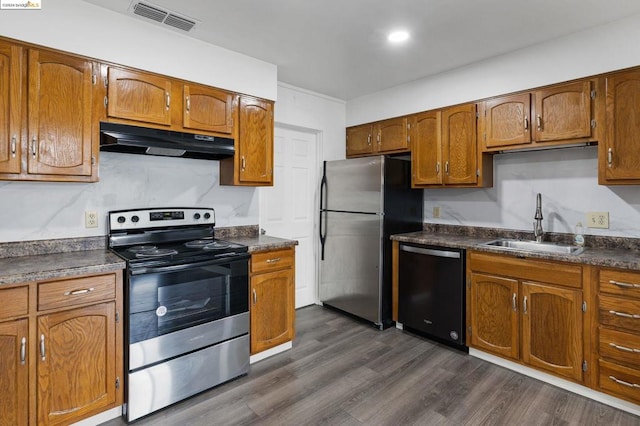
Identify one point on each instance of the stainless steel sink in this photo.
(533, 246)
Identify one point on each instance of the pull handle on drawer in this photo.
(624, 348)
(79, 291)
(274, 260)
(625, 315)
(623, 284)
(622, 382)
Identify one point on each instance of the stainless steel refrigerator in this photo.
(362, 202)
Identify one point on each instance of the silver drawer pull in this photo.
(622, 382)
(625, 315)
(80, 291)
(274, 260)
(625, 285)
(624, 348)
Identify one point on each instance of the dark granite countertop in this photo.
(38, 267)
(617, 254)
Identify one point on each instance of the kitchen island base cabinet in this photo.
(530, 311)
(272, 305)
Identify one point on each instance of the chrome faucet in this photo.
(537, 225)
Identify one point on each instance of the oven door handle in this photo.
(174, 268)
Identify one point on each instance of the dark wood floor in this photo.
(342, 372)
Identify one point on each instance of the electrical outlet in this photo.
(436, 212)
(90, 219)
(598, 220)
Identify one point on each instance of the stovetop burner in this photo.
(155, 252)
(198, 243)
(138, 249)
(217, 245)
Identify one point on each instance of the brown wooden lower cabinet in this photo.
(272, 304)
(60, 365)
(537, 323)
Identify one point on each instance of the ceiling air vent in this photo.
(165, 17)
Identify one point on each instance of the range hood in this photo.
(142, 140)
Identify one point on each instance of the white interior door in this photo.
(288, 209)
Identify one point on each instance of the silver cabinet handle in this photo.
(369, 140)
(13, 146)
(624, 348)
(80, 291)
(34, 145)
(625, 315)
(446, 167)
(168, 97)
(255, 296)
(274, 260)
(539, 121)
(610, 157)
(526, 124)
(438, 168)
(243, 163)
(379, 139)
(43, 352)
(23, 350)
(188, 101)
(514, 302)
(624, 285)
(622, 382)
(524, 305)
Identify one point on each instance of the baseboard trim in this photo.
(620, 404)
(270, 352)
(100, 418)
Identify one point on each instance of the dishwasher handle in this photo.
(430, 252)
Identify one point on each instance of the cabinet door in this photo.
(76, 363)
(359, 140)
(208, 109)
(60, 114)
(272, 309)
(563, 112)
(139, 96)
(459, 144)
(255, 146)
(494, 315)
(507, 121)
(426, 149)
(10, 107)
(14, 377)
(622, 153)
(391, 135)
(552, 329)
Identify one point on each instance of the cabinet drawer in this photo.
(569, 275)
(620, 347)
(623, 283)
(619, 380)
(271, 260)
(14, 302)
(76, 291)
(620, 313)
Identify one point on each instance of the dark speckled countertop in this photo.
(26, 261)
(614, 252)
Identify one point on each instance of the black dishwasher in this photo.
(431, 292)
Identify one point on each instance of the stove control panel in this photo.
(161, 218)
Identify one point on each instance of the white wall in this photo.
(79, 27)
(567, 178)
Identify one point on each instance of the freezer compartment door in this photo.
(350, 274)
(354, 185)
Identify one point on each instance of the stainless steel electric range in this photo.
(187, 305)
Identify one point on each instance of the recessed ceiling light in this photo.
(398, 36)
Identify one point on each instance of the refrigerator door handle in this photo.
(323, 189)
(323, 234)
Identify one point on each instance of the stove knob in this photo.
(196, 216)
(207, 215)
(135, 219)
(121, 219)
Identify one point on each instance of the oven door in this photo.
(170, 299)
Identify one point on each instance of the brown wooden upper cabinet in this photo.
(383, 137)
(252, 164)
(209, 109)
(444, 149)
(47, 111)
(619, 155)
(560, 114)
(139, 96)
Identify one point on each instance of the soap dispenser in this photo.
(578, 237)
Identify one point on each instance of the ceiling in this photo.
(339, 47)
